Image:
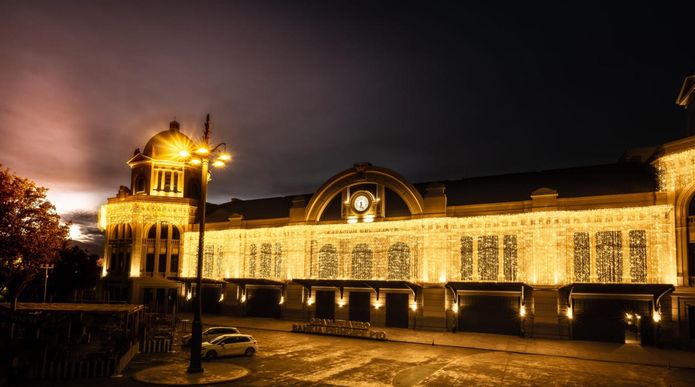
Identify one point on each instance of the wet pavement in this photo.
(297, 359)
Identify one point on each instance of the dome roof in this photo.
(166, 145)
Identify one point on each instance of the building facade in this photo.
(600, 253)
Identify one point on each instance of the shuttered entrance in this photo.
(325, 304)
(263, 302)
(359, 306)
(612, 320)
(489, 314)
(211, 299)
(397, 310)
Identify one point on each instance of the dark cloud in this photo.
(301, 90)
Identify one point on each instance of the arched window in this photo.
(120, 249)
(164, 231)
(362, 262)
(399, 261)
(328, 262)
(175, 233)
(152, 233)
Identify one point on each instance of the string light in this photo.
(538, 248)
(466, 258)
(147, 212)
(488, 257)
(676, 171)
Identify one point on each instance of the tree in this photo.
(30, 233)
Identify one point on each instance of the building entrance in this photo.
(325, 304)
(397, 310)
(489, 314)
(263, 302)
(359, 306)
(618, 321)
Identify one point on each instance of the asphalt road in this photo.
(295, 359)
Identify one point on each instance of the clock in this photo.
(361, 202)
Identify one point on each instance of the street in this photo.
(286, 358)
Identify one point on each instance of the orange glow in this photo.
(184, 153)
(218, 164)
(202, 150)
(225, 157)
(195, 161)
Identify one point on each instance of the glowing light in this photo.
(137, 211)
(656, 316)
(555, 247)
(243, 298)
(189, 295)
(221, 297)
(676, 171)
(352, 220)
(310, 301)
(413, 306)
(202, 150)
(570, 313)
(341, 303)
(195, 161)
(638, 317)
(628, 316)
(75, 232)
(282, 300)
(218, 164)
(455, 308)
(184, 153)
(225, 157)
(377, 304)
(522, 311)
(368, 218)
(102, 218)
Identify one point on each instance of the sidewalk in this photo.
(586, 350)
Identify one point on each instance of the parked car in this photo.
(225, 345)
(209, 334)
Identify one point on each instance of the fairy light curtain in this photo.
(556, 247)
(399, 261)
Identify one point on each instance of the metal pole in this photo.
(45, 279)
(195, 365)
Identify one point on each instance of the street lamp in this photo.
(201, 156)
(46, 267)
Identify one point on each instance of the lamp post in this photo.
(46, 267)
(201, 155)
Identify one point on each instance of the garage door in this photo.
(605, 320)
(210, 299)
(397, 310)
(325, 304)
(359, 306)
(489, 314)
(263, 302)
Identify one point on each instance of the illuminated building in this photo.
(562, 253)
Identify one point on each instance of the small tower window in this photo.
(139, 184)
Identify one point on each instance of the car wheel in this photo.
(211, 355)
(249, 351)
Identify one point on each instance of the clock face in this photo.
(361, 203)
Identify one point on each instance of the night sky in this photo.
(301, 90)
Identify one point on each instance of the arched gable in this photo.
(360, 174)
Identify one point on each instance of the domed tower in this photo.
(160, 171)
(144, 224)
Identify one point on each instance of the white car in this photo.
(210, 334)
(234, 344)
